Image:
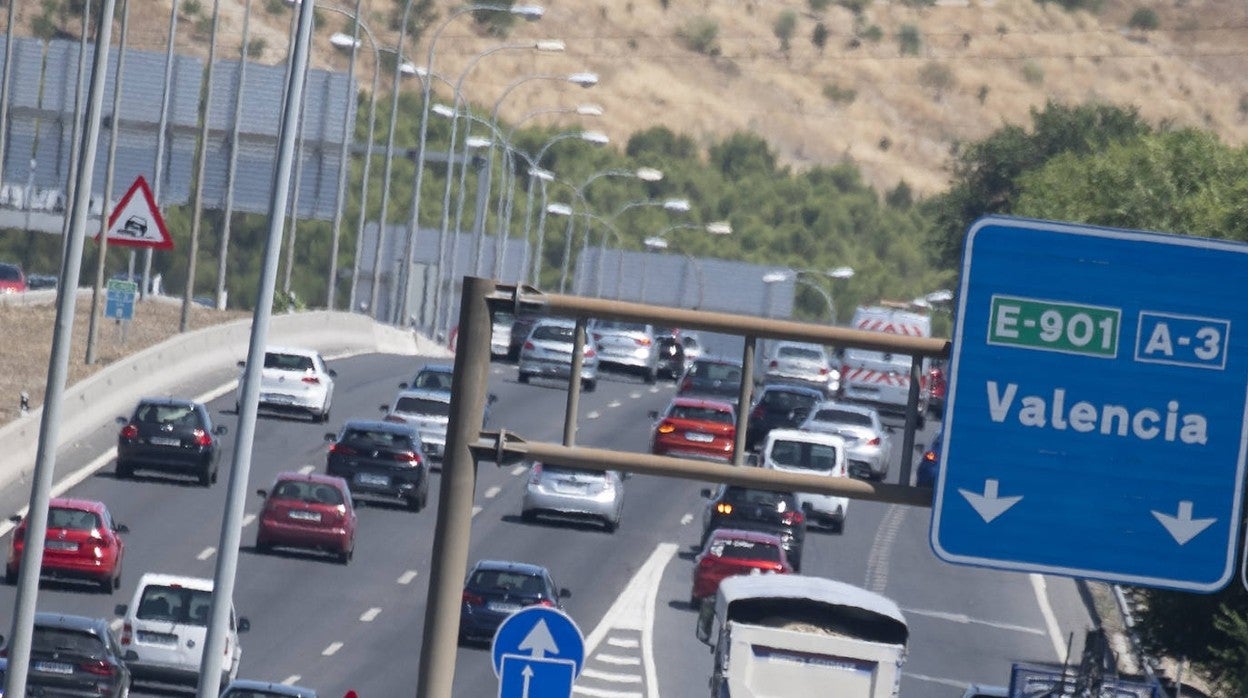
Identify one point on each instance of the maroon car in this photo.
(82, 543)
(731, 551)
(312, 511)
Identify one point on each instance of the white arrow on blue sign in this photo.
(1098, 394)
(538, 652)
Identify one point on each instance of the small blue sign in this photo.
(119, 299)
(538, 652)
(1096, 416)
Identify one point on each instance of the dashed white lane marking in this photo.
(593, 414)
(635, 395)
(654, 389)
(492, 492)
(291, 680)
(686, 519)
(477, 510)
(617, 659)
(610, 676)
(603, 693)
(332, 649)
(967, 620)
(613, 403)
(1046, 610)
(622, 642)
(881, 554)
(248, 520)
(519, 470)
(206, 553)
(307, 469)
(407, 577)
(369, 615)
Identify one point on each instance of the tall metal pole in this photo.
(568, 233)
(223, 244)
(197, 213)
(107, 210)
(541, 233)
(374, 292)
(294, 200)
(210, 669)
(442, 298)
(455, 495)
(344, 165)
(162, 130)
(364, 178)
(76, 131)
(4, 87)
(58, 368)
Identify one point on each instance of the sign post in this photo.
(538, 652)
(1098, 395)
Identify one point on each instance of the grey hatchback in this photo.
(76, 656)
(171, 435)
(380, 459)
(630, 346)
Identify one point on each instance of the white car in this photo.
(293, 381)
(814, 453)
(165, 626)
(429, 411)
(869, 442)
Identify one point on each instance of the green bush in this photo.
(43, 26)
(873, 33)
(909, 40)
(255, 47)
(786, 24)
(1033, 74)
(1144, 19)
(818, 5)
(839, 95)
(701, 34)
(855, 6)
(191, 8)
(274, 7)
(819, 36)
(937, 77)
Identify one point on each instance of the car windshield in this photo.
(422, 405)
(558, 470)
(800, 454)
(553, 333)
(805, 353)
(366, 439)
(857, 419)
(288, 362)
(619, 326)
(308, 492)
(174, 603)
(167, 414)
(506, 580)
(742, 549)
(67, 641)
(710, 371)
(73, 519)
(701, 414)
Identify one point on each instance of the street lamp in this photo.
(797, 275)
(673, 205)
(659, 242)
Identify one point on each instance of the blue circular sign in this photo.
(539, 632)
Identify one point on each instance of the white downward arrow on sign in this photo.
(988, 504)
(1183, 527)
(539, 641)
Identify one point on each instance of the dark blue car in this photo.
(929, 463)
(496, 589)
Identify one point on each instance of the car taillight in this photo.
(129, 431)
(687, 384)
(127, 633)
(930, 456)
(473, 599)
(757, 412)
(723, 508)
(545, 602)
(874, 442)
(98, 667)
(409, 457)
(202, 438)
(824, 371)
(528, 346)
(342, 450)
(311, 379)
(20, 533)
(99, 540)
(774, 364)
(793, 518)
(535, 474)
(666, 428)
(643, 341)
(589, 352)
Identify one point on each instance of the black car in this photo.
(75, 656)
(732, 506)
(495, 589)
(171, 435)
(671, 357)
(779, 406)
(709, 376)
(380, 459)
(520, 328)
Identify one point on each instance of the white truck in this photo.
(882, 379)
(781, 635)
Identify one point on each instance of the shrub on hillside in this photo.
(701, 34)
(839, 95)
(909, 40)
(1144, 19)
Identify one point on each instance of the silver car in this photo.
(868, 442)
(571, 493)
(548, 353)
(631, 346)
(428, 411)
(803, 364)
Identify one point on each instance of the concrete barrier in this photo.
(210, 352)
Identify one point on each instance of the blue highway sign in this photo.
(119, 299)
(1097, 415)
(538, 652)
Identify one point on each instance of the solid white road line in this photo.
(1046, 610)
(407, 577)
(369, 615)
(967, 620)
(880, 557)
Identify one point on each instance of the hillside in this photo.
(975, 66)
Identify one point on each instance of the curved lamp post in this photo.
(645, 174)
(673, 205)
(659, 242)
(798, 275)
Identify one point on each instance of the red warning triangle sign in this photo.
(136, 221)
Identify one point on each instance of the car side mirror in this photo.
(491, 399)
(706, 493)
(751, 459)
(332, 372)
(654, 414)
(121, 420)
(220, 430)
(384, 408)
(119, 609)
(404, 385)
(565, 593)
(331, 436)
(243, 625)
(706, 615)
(121, 528)
(262, 493)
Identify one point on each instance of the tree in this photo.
(742, 154)
(660, 141)
(819, 36)
(784, 27)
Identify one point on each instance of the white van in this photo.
(165, 627)
(813, 453)
(882, 379)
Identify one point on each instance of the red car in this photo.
(12, 279)
(312, 511)
(732, 551)
(82, 543)
(695, 428)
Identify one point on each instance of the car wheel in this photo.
(344, 557)
(263, 546)
(522, 377)
(528, 516)
(324, 416)
(107, 584)
(839, 527)
(10, 576)
(650, 375)
(609, 526)
(416, 503)
(124, 691)
(124, 470)
(589, 385)
(207, 476)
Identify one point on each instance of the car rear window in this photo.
(781, 501)
(73, 519)
(174, 603)
(167, 414)
(553, 333)
(702, 414)
(741, 549)
(504, 580)
(363, 438)
(713, 371)
(799, 454)
(288, 362)
(432, 380)
(619, 326)
(8, 272)
(310, 492)
(808, 353)
(64, 640)
(857, 419)
(422, 405)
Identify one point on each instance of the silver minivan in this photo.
(548, 353)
